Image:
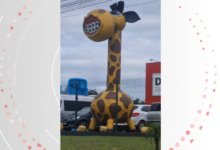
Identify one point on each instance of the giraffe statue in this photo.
(100, 25)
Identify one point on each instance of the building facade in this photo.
(153, 83)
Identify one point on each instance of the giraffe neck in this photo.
(114, 61)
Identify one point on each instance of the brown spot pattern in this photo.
(120, 59)
(101, 11)
(107, 79)
(105, 119)
(118, 64)
(125, 100)
(110, 39)
(115, 30)
(111, 70)
(116, 47)
(112, 109)
(108, 64)
(117, 77)
(99, 115)
(96, 119)
(119, 90)
(101, 105)
(113, 58)
(124, 118)
(97, 96)
(110, 87)
(111, 95)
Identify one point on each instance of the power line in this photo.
(84, 6)
(70, 6)
(125, 7)
(98, 2)
(63, 0)
(144, 3)
(74, 3)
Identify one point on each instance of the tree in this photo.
(65, 90)
(137, 101)
(154, 134)
(92, 92)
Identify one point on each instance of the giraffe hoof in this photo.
(109, 130)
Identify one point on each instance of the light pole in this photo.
(154, 60)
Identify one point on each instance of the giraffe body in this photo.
(100, 25)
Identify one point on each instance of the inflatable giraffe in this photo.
(100, 25)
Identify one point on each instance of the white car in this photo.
(139, 116)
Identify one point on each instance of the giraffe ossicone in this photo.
(100, 25)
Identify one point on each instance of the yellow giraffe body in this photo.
(103, 107)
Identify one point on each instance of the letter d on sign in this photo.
(157, 81)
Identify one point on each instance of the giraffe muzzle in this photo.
(91, 25)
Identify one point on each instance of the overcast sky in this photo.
(83, 58)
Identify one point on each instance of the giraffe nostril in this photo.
(101, 11)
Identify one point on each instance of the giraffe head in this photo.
(99, 24)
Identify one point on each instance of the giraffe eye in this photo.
(118, 14)
(115, 13)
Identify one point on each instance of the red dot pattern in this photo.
(13, 30)
(177, 144)
(192, 126)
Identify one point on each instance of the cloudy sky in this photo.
(83, 58)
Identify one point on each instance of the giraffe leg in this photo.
(110, 125)
(92, 125)
(131, 125)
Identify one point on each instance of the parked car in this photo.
(83, 118)
(139, 116)
(154, 115)
(68, 103)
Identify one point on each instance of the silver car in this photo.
(154, 114)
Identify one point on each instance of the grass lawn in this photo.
(104, 143)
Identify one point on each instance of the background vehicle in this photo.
(139, 116)
(67, 103)
(83, 118)
(154, 115)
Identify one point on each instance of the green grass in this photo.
(105, 143)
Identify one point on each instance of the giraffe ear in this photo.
(131, 16)
(121, 5)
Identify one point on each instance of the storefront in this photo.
(153, 83)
